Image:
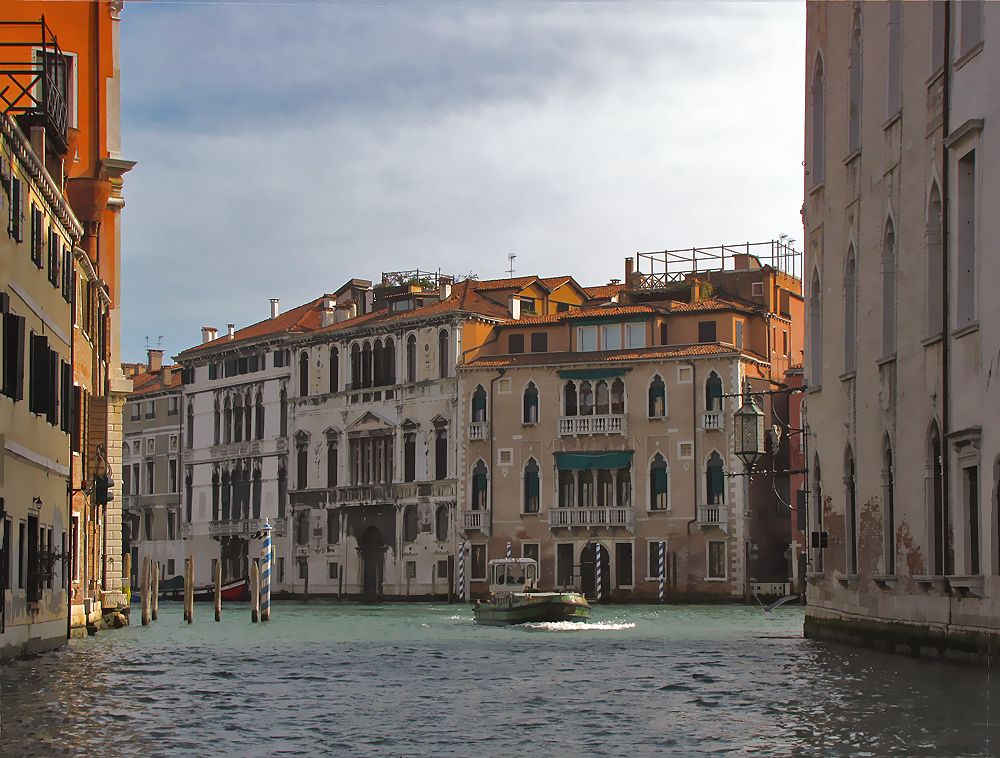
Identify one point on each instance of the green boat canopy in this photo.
(592, 373)
(586, 461)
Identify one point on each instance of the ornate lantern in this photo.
(749, 431)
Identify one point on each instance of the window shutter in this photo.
(66, 407)
(532, 485)
(76, 422)
(52, 396)
(660, 483)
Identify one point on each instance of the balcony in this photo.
(365, 493)
(589, 517)
(475, 519)
(185, 531)
(573, 425)
(711, 421)
(34, 76)
(414, 490)
(245, 527)
(713, 515)
(477, 430)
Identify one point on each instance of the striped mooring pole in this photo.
(265, 574)
(662, 564)
(597, 571)
(461, 572)
(510, 552)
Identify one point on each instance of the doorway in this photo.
(588, 572)
(372, 563)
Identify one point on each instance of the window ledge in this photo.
(716, 579)
(967, 586)
(935, 75)
(651, 511)
(932, 340)
(816, 188)
(847, 580)
(847, 375)
(886, 581)
(655, 418)
(813, 389)
(929, 581)
(529, 423)
(815, 577)
(892, 119)
(966, 330)
(968, 55)
(885, 361)
(856, 153)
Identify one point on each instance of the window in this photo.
(713, 392)
(528, 306)
(282, 490)
(586, 338)
(188, 494)
(444, 359)
(37, 227)
(889, 291)
(567, 489)
(658, 500)
(515, 343)
(479, 486)
(815, 321)
(586, 398)
(603, 402)
(532, 487)
(971, 24)
(854, 88)
(529, 413)
(16, 221)
(410, 523)
(611, 337)
(739, 334)
(657, 398)
(656, 569)
(635, 335)
(441, 453)
(411, 358)
(757, 289)
(706, 331)
(715, 480)
(171, 525)
(54, 256)
(442, 569)
(302, 463)
(966, 237)
(717, 560)
(303, 565)
(172, 475)
(333, 570)
(664, 335)
(478, 561)
(331, 460)
(334, 370)
(850, 312)
(281, 570)
(970, 480)
(935, 259)
(894, 32)
(623, 564)
(564, 565)
(441, 524)
(259, 417)
(410, 457)
(530, 550)
(569, 399)
(150, 476)
(283, 412)
(617, 397)
(43, 396)
(479, 404)
(784, 342)
(303, 374)
(539, 342)
(13, 355)
(302, 528)
(817, 113)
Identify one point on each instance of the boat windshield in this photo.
(515, 573)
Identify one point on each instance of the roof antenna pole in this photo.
(510, 264)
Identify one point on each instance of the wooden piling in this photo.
(218, 591)
(254, 592)
(184, 593)
(189, 589)
(155, 591)
(144, 591)
(127, 576)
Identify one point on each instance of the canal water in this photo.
(412, 680)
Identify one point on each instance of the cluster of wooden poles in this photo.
(149, 592)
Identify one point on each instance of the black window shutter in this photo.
(75, 423)
(65, 397)
(52, 396)
(17, 358)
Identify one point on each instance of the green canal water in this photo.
(423, 679)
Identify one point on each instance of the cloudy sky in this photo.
(285, 147)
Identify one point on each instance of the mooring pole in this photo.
(254, 592)
(218, 590)
(597, 572)
(662, 567)
(144, 591)
(266, 553)
(155, 600)
(189, 599)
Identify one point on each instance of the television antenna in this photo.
(510, 265)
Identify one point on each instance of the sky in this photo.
(285, 147)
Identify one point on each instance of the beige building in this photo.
(606, 429)
(151, 471)
(36, 269)
(903, 406)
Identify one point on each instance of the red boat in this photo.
(234, 589)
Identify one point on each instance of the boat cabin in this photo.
(513, 575)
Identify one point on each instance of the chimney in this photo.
(208, 333)
(231, 329)
(369, 300)
(274, 307)
(444, 290)
(154, 360)
(328, 313)
(514, 305)
(629, 268)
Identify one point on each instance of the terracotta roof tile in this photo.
(583, 313)
(660, 352)
(711, 304)
(149, 382)
(517, 283)
(604, 291)
(304, 318)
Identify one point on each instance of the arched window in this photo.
(378, 364)
(618, 397)
(889, 291)
(411, 358)
(657, 398)
(850, 312)
(851, 498)
(441, 523)
(585, 488)
(217, 422)
(586, 399)
(389, 362)
(624, 479)
(603, 403)
(238, 419)
(529, 413)
(228, 413)
(715, 480)
(605, 488)
(410, 456)
(188, 495)
(889, 507)
(334, 369)
(894, 64)
(940, 528)
(331, 459)
(215, 495)
(479, 487)
(304, 374)
(255, 500)
(190, 424)
(332, 526)
(658, 484)
(410, 523)
(815, 347)
(355, 366)
(301, 463)
(935, 264)
(259, 416)
(479, 404)
(282, 490)
(818, 123)
(440, 452)
(569, 399)
(567, 489)
(854, 88)
(226, 495)
(302, 528)
(532, 488)
(444, 359)
(247, 417)
(713, 392)
(366, 365)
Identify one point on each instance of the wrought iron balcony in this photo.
(608, 424)
(34, 77)
(588, 517)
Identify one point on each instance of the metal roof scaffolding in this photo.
(661, 269)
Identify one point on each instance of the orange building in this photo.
(62, 76)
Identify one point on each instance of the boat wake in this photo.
(575, 626)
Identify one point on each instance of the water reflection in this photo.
(424, 680)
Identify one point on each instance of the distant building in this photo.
(152, 468)
(903, 404)
(603, 430)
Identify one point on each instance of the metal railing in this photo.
(569, 425)
(663, 268)
(34, 78)
(570, 517)
(234, 527)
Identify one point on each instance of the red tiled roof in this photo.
(582, 313)
(149, 382)
(304, 318)
(604, 291)
(660, 352)
(718, 303)
(517, 283)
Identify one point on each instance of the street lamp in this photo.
(749, 424)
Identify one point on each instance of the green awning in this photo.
(592, 373)
(586, 461)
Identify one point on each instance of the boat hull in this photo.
(532, 608)
(235, 590)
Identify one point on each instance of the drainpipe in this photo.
(67, 565)
(945, 301)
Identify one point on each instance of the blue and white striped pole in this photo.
(510, 552)
(662, 564)
(597, 570)
(461, 572)
(265, 574)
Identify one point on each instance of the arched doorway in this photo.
(372, 548)
(588, 574)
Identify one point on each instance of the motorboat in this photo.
(516, 599)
